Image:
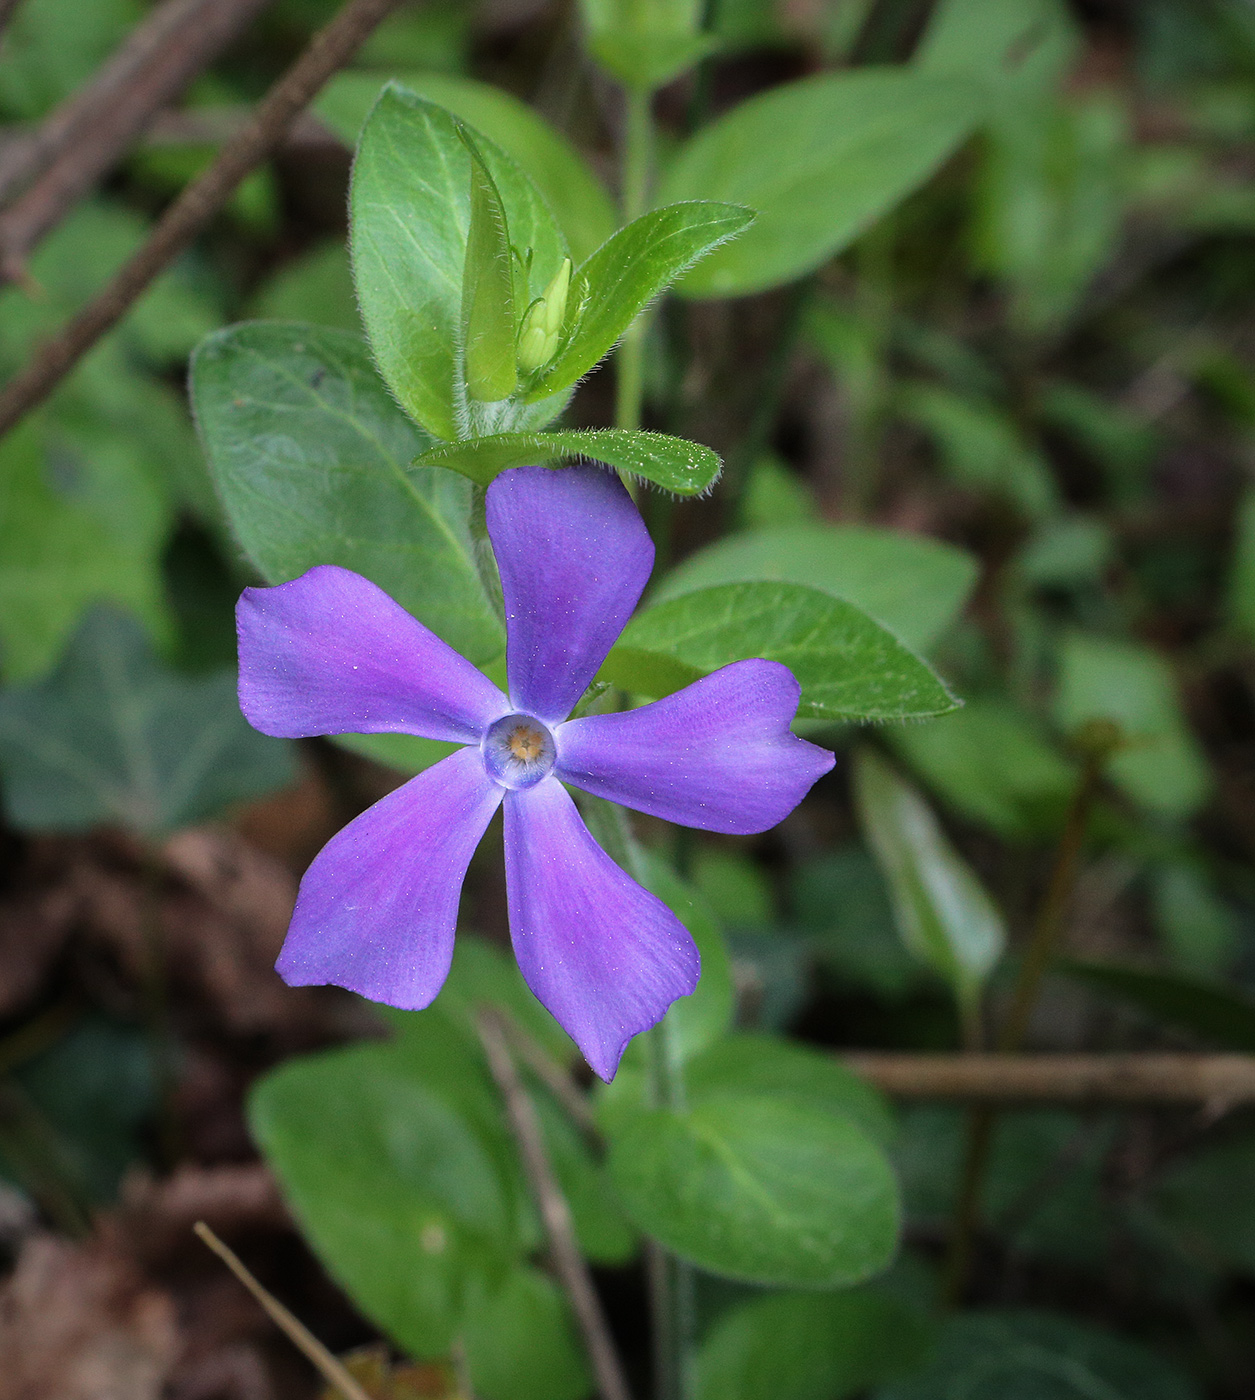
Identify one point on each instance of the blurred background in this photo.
(1044, 357)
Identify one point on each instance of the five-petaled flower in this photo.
(330, 653)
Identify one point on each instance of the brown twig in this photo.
(552, 1075)
(329, 49)
(85, 135)
(555, 1214)
(1150, 1080)
(331, 1370)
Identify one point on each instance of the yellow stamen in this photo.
(525, 743)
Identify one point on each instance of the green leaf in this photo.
(699, 1020)
(394, 1188)
(577, 197)
(980, 446)
(992, 763)
(943, 912)
(89, 529)
(674, 464)
(1007, 48)
(488, 316)
(790, 1072)
(809, 1346)
(626, 273)
(1207, 1008)
(848, 666)
(1012, 1355)
(317, 287)
(311, 458)
(820, 160)
(601, 1229)
(1198, 927)
(410, 214)
(646, 44)
(1195, 1198)
(407, 753)
(112, 735)
(757, 1189)
(1241, 590)
(912, 585)
(521, 1343)
(1161, 766)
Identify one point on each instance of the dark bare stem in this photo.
(331, 1370)
(83, 137)
(555, 1214)
(1037, 957)
(329, 50)
(552, 1075)
(1217, 1082)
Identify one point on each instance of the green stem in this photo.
(638, 155)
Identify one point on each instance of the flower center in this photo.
(518, 751)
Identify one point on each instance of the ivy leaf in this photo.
(626, 273)
(312, 456)
(849, 667)
(112, 735)
(675, 464)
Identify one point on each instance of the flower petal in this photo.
(716, 755)
(330, 653)
(604, 955)
(377, 909)
(574, 557)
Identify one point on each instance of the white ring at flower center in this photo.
(518, 751)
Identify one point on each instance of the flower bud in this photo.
(538, 335)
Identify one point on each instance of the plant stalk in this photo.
(638, 155)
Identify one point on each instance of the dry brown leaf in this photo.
(78, 1322)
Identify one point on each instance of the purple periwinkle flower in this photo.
(330, 653)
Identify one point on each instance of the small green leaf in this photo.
(646, 44)
(488, 319)
(626, 273)
(801, 1346)
(577, 197)
(943, 912)
(674, 464)
(311, 458)
(112, 735)
(1161, 765)
(848, 666)
(1209, 1009)
(410, 216)
(820, 160)
(912, 585)
(757, 1189)
(1013, 1355)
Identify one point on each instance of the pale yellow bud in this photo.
(538, 336)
